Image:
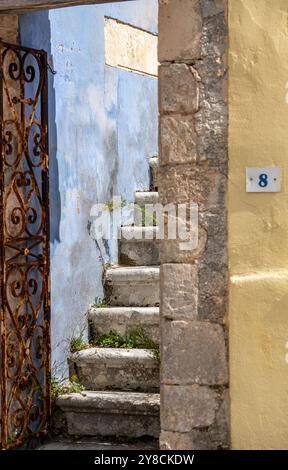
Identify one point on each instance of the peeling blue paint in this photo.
(102, 129)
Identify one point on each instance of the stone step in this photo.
(143, 210)
(138, 246)
(96, 413)
(96, 443)
(116, 369)
(124, 319)
(154, 166)
(132, 286)
(146, 197)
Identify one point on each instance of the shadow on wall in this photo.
(55, 201)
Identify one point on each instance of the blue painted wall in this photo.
(103, 128)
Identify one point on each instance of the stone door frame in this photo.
(193, 41)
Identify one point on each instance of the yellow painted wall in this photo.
(258, 224)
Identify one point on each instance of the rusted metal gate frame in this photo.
(25, 73)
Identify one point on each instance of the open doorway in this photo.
(103, 119)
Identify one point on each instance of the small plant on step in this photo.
(77, 344)
(138, 337)
(75, 385)
(100, 303)
(110, 340)
(112, 205)
(134, 339)
(148, 218)
(58, 388)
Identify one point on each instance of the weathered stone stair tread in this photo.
(132, 286)
(93, 443)
(89, 355)
(104, 413)
(117, 402)
(139, 246)
(139, 234)
(116, 369)
(124, 319)
(133, 273)
(146, 197)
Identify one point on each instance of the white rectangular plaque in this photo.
(263, 180)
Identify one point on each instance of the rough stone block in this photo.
(205, 186)
(130, 47)
(215, 225)
(193, 353)
(138, 246)
(180, 303)
(146, 197)
(211, 124)
(212, 8)
(195, 440)
(132, 286)
(175, 441)
(154, 166)
(213, 269)
(211, 120)
(213, 282)
(178, 89)
(9, 28)
(187, 407)
(212, 437)
(178, 139)
(172, 251)
(214, 38)
(180, 26)
(111, 414)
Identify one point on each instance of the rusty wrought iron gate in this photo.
(24, 245)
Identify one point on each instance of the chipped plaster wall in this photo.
(103, 128)
(258, 225)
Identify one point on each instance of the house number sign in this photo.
(263, 180)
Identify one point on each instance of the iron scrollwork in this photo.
(24, 245)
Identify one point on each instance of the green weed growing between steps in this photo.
(111, 205)
(134, 339)
(148, 218)
(100, 303)
(58, 388)
(77, 344)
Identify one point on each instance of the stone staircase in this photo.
(121, 397)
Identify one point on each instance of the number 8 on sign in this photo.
(263, 180)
